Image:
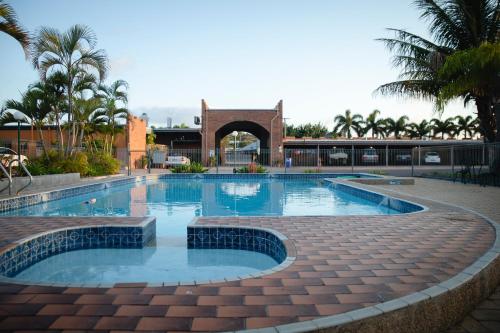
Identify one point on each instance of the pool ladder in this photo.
(8, 174)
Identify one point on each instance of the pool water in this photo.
(174, 203)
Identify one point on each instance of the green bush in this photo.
(312, 171)
(102, 164)
(255, 169)
(194, 167)
(78, 162)
(86, 164)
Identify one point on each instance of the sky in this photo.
(319, 57)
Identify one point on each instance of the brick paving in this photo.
(485, 318)
(342, 263)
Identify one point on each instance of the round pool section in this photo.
(174, 203)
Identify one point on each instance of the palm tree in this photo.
(347, 122)
(473, 75)
(443, 127)
(91, 117)
(397, 127)
(376, 126)
(71, 53)
(114, 102)
(10, 26)
(53, 92)
(454, 25)
(419, 130)
(466, 125)
(33, 106)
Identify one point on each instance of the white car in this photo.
(432, 158)
(370, 155)
(339, 156)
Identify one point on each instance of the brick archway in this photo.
(265, 124)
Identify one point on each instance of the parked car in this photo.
(177, 160)
(339, 156)
(432, 157)
(370, 155)
(403, 158)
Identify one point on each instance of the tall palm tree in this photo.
(376, 126)
(419, 130)
(443, 127)
(397, 127)
(10, 26)
(454, 25)
(347, 122)
(465, 125)
(73, 53)
(114, 100)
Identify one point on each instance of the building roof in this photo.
(367, 141)
(177, 130)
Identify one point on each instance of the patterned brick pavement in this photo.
(342, 263)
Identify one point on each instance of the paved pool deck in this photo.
(341, 264)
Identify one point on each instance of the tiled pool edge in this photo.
(252, 243)
(30, 250)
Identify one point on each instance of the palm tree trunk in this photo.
(486, 121)
(81, 134)
(40, 134)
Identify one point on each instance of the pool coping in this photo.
(470, 285)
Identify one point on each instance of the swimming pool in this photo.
(174, 203)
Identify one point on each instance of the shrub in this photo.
(251, 168)
(312, 171)
(194, 167)
(102, 164)
(78, 162)
(86, 164)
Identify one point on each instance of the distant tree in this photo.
(182, 125)
(419, 130)
(10, 26)
(346, 123)
(465, 125)
(376, 126)
(397, 127)
(443, 127)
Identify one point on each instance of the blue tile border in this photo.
(32, 250)
(402, 206)
(237, 238)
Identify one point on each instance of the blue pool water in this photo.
(174, 203)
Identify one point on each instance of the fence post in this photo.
(419, 160)
(482, 157)
(412, 162)
(386, 155)
(148, 156)
(317, 157)
(352, 158)
(129, 172)
(452, 153)
(217, 160)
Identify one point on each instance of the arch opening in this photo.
(249, 145)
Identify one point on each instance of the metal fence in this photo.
(467, 162)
